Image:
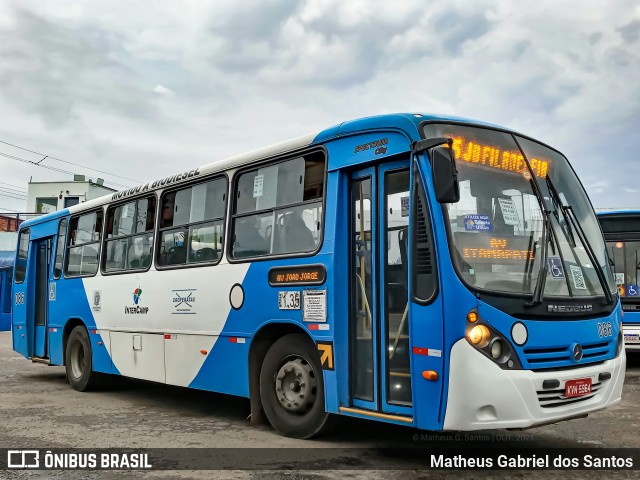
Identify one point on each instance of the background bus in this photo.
(398, 268)
(622, 232)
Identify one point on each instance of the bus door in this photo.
(379, 312)
(42, 249)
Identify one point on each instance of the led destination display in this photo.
(495, 157)
(487, 249)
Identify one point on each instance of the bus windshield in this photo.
(625, 259)
(498, 227)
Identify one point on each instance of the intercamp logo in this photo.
(23, 459)
(137, 293)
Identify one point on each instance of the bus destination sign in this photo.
(298, 275)
(494, 157)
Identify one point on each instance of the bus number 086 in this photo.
(605, 329)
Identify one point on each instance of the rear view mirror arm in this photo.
(427, 143)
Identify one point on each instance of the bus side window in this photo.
(278, 208)
(425, 276)
(191, 224)
(23, 251)
(84, 244)
(129, 236)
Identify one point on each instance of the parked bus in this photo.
(410, 269)
(622, 233)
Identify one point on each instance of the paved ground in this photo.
(39, 410)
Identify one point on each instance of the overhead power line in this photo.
(11, 196)
(68, 162)
(49, 167)
(12, 191)
(17, 187)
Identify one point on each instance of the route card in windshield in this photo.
(477, 223)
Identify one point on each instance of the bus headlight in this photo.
(479, 336)
(491, 343)
(496, 349)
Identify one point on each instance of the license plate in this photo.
(289, 300)
(632, 338)
(577, 388)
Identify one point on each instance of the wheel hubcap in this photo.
(77, 360)
(296, 385)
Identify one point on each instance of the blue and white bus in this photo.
(411, 269)
(622, 233)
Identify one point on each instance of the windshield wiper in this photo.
(547, 234)
(542, 274)
(590, 253)
(559, 205)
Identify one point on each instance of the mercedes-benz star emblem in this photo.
(577, 352)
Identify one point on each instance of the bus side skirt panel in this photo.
(74, 288)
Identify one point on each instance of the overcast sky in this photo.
(148, 89)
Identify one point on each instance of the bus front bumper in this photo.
(482, 396)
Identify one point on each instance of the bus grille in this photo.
(556, 398)
(424, 263)
(539, 358)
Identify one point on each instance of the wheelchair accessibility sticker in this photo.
(632, 290)
(556, 269)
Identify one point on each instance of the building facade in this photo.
(9, 222)
(46, 197)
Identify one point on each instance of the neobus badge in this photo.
(569, 308)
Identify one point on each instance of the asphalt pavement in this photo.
(38, 409)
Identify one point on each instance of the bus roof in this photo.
(603, 213)
(408, 122)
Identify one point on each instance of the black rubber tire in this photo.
(78, 361)
(297, 425)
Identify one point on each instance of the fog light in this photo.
(479, 336)
(496, 349)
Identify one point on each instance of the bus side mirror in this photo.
(445, 175)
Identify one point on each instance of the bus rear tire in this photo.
(78, 360)
(292, 387)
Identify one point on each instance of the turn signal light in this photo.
(430, 375)
(204, 352)
(472, 317)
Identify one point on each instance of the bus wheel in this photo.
(78, 360)
(292, 387)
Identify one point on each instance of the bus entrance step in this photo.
(44, 361)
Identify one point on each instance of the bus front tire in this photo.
(292, 387)
(78, 360)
